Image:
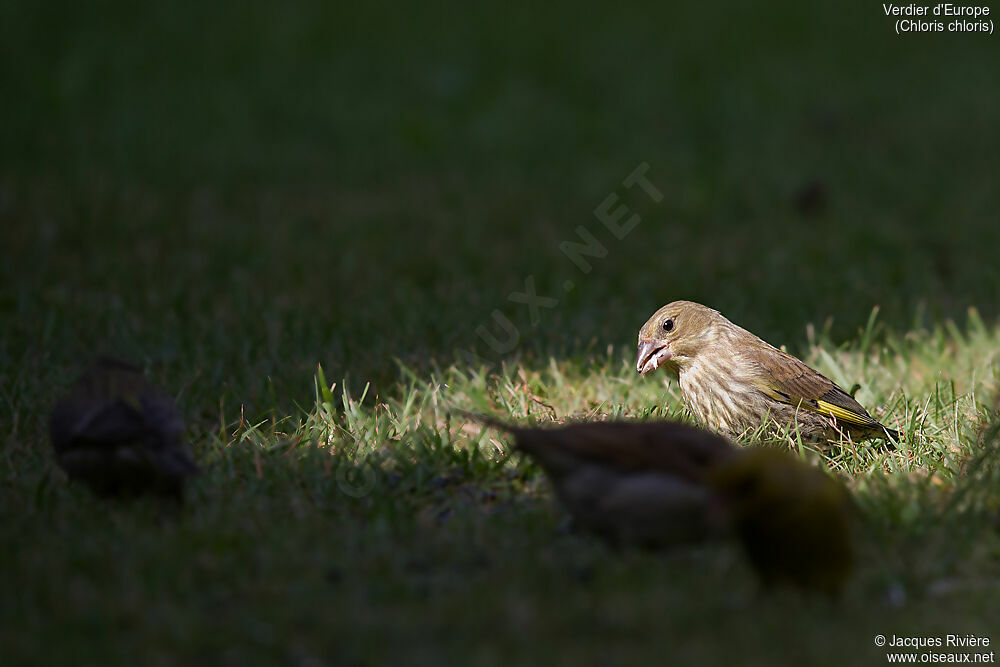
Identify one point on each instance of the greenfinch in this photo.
(733, 381)
(664, 484)
(119, 434)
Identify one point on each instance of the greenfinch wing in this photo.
(788, 380)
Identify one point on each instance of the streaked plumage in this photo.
(733, 381)
(120, 435)
(664, 484)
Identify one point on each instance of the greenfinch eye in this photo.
(668, 325)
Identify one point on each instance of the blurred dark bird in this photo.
(733, 381)
(811, 198)
(119, 434)
(663, 484)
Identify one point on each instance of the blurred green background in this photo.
(233, 193)
(257, 188)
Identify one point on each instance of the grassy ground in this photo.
(236, 198)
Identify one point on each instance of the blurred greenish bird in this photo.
(793, 520)
(120, 435)
(664, 484)
(733, 381)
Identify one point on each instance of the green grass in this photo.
(238, 198)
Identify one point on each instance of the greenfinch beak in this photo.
(652, 353)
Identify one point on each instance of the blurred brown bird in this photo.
(641, 483)
(120, 435)
(733, 381)
(663, 484)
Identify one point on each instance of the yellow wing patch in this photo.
(818, 405)
(843, 414)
